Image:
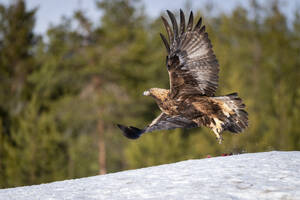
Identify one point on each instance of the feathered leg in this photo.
(213, 123)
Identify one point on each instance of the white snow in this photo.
(269, 175)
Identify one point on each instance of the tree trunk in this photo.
(101, 147)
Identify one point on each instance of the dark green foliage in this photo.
(57, 96)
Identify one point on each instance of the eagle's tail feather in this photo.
(130, 131)
(237, 117)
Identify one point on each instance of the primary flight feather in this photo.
(193, 74)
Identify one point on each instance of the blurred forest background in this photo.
(61, 94)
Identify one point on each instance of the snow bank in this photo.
(270, 175)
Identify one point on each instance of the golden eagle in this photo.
(193, 73)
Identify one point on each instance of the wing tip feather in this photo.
(130, 132)
(174, 23)
(165, 42)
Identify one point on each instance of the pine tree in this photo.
(16, 62)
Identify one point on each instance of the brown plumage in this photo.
(193, 73)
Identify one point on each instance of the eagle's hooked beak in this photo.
(146, 93)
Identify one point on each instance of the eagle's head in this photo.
(157, 93)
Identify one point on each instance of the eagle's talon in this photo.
(220, 139)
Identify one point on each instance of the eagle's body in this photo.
(193, 72)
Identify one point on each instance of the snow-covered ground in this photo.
(269, 175)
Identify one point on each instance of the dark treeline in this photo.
(62, 93)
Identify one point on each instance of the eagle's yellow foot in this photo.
(220, 139)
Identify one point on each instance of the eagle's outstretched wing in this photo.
(192, 65)
(162, 122)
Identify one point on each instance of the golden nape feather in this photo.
(193, 72)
